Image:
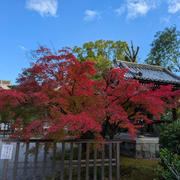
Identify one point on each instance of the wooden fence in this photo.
(71, 159)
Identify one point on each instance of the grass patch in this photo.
(138, 169)
(130, 169)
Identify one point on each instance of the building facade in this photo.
(5, 84)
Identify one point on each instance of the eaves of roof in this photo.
(147, 72)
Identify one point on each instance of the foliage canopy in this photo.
(165, 49)
(102, 52)
(57, 91)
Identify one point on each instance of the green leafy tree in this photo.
(102, 52)
(165, 49)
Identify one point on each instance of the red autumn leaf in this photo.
(58, 92)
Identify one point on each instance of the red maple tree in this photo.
(59, 93)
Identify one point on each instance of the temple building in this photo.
(146, 73)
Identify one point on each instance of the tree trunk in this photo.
(174, 113)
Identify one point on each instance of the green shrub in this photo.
(170, 137)
(169, 166)
(169, 152)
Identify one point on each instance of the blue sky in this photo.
(26, 24)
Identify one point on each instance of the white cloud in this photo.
(173, 6)
(91, 15)
(43, 7)
(120, 10)
(23, 48)
(137, 8)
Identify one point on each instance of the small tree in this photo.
(59, 91)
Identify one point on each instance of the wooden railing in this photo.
(69, 159)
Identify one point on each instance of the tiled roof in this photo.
(147, 72)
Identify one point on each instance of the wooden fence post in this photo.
(117, 161)
(26, 160)
(71, 161)
(87, 161)
(36, 159)
(62, 161)
(95, 167)
(5, 169)
(16, 161)
(53, 165)
(45, 160)
(102, 163)
(110, 161)
(79, 160)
